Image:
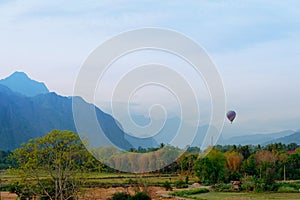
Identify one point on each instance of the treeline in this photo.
(274, 161)
(5, 160)
(232, 162)
(253, 167)
(256, 167)
(62, 156)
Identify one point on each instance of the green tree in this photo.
(6, 161)
(245, 151)
(186, 162)
(203, 169)
(293, 167)
(249, 166)
(49, 165)
(266, 162)
(211, 169)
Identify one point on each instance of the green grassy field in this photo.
(94, 178)
(247, 196)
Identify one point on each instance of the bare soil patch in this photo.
(8, 196)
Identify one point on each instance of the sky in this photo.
(254, 44)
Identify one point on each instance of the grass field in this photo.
(248, 196)
(109, 178)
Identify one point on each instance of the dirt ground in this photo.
(8, 196)
(156, 193)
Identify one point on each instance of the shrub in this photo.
(248, 183)
(294, 185)
(167, 186)
(181, 184)
(8, 187)
(120, 196)
(247, 187)
(286, 189)
(126, 196)
(262, 185)
(22, 190)
(187, 180)
(140, 196)
(186, 193)
(222, 187)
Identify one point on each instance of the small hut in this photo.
(236, 184)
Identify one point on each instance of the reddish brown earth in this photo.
(8, 196)
(156, 193)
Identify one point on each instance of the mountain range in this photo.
(24, 115)
(28, 110)
(293, 138)
(260, 138)
(19, 82)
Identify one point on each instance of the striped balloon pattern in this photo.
(231, 115)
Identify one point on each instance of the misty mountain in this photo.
(293, 138)
(28, 110)
(21, 83)
(25, 117)
(255, 139)
(170, 128)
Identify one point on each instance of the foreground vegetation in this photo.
(189, 193)
(57, 166)
(126, 196)
(246, 196)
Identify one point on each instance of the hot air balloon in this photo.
(231, 115)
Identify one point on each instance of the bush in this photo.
(286, 189)
(294, 185)
(186, 193)
(187, 180)
(222, 187)
(262, 185)
(126, 196)
(181, 184)
(167, 186)
(247, 187)
(248, 183)
(22, 190)
(120, 196)
(259, 186)
(140, 196)
(8, 187)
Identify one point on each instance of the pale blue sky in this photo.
(255, 45)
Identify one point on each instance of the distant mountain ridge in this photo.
(171, 128)
(21, 83)
(293, 138)
(256, 139)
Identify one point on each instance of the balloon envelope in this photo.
(231, 115)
